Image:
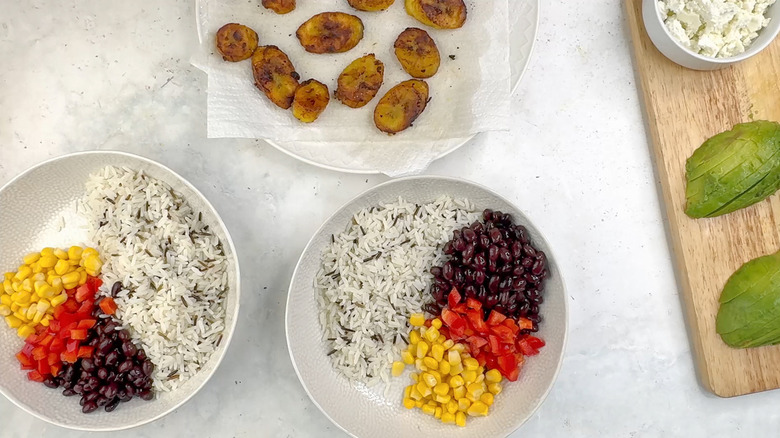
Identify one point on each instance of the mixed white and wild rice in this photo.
(172, 267)
(374, 275)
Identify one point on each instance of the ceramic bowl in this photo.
(366, 412)
(34, 206)
(683, 56)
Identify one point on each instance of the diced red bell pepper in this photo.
(504, 333)
(476, 322)
(494, 344)
(46, 341)
(526, 348)
(85, 351)
(453, 298)
(454, 322)
(69, 357)
(78, 334)
(473, 304)
(86, 323)
(54, 325)
(25, 361)
(506, 364)
(53, 358)
(33, 339)
(35, 376)
(83, 293)
(108, 306)
(27, 349)
(535, 342)
(43, 367)
(94, 283)
(476, 343)
(513, 375)
(459, 308)
(70, 306)
(57, 345)
(525, 324)
(495, 318)
(72, 346)
(55, 369)
(85, 310)
(511, 325)
(39, 353)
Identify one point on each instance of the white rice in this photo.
(173, 270)
(375, 275)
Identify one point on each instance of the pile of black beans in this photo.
(117, 371)
(494, 262)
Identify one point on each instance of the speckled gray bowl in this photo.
(32, 208)
(365, 412)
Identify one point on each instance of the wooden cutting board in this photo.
(684, 108)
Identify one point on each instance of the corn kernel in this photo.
(27, 285)
(398, 368)
(444, 367)
(7, 286)
(495, 388)
(431, 363)
(15, 307)
(448, 418)
(61, 254)
(428, 409)
(48, 261)
(428, 379)
(415, 377)
(39, 276)
(23, 272)
(62, 267)
(424, 389)
(478, 409)
(441, 389)
(448, 344)
(456, 381)
(486, 398)
(5, 310)
(408, 391)
(9, 276)
(453, 357)
(459, 393)
(31, 258)
(417, 320)
(43, 305)
(38, 317)
(46, 320)
(414, 338)
(25, 331)
(420, 365)
(47, 252)
(469, 376)
(5, 299)
(23, 298)
(83, 275)
(70, 280)
(93, 263)
(493, 376)
(36, 268)
(422, 349)
(73, 262)
(416, 394)
(475, 389)
(432, 334)
(442, 398)
(470, 364)
(74, 253)
(437, 412)
(31, 311)
(408, 403)
(460, 419)
(456, 369)
(436, 322)
(59, 299)
(407, 357)
(88, 252)
(56, 283)
(460, 348)
(13, 321)
(436, 375)
(437, 352)
(452, 406)
(419, 404)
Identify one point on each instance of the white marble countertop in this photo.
(81, 75)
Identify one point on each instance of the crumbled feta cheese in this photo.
(716, 28)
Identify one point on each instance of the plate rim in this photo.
(461, 141)
(26, 408)
(310, 243)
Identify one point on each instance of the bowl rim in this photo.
(309, 245)
(226, 341)
(751, 51)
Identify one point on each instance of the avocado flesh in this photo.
(733, 169)
(749, 314)
(748, 309)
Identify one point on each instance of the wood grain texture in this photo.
(684, 108)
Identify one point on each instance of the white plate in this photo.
(366, 412)
(524, 22)
(33, 205)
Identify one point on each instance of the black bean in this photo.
(101, 401)
(112, 405)
(68, 392)
(125, 366)
(436, 271)
(105, 345)
(129, 349)
(89, 407)
(112, 358)
(146, 395)
(116, 288)
(51, 383)
(487, 214)
(141, 355)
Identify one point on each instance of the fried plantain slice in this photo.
(236, 42)
(417, 53)
(360, 81)
(330, 32)
(279, 6)
(371, 5)
(401, 106)
(275, 75)
(310, 100)
(440, 14)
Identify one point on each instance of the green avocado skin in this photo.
(733, 170)
(749, 313)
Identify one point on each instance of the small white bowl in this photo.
(33, 204)
(672, 49)
(366, 412)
